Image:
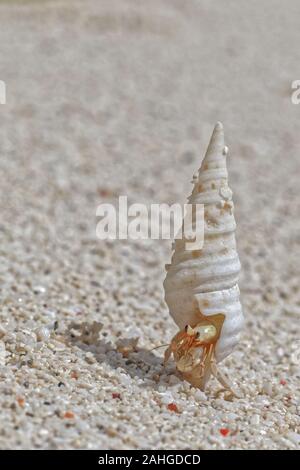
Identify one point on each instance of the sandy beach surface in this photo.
(109, 98)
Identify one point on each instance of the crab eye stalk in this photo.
(186, 328)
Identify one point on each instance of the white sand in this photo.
(107, 98)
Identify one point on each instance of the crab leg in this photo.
(204, 360)
(198, 377)
(221, 378)
(167, 354)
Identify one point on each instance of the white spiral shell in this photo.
(206, 280)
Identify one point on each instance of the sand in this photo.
(109, 98)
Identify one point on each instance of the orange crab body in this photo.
(194, 351)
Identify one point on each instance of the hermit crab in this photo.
(201, 287)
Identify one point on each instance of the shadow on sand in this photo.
(140, 362)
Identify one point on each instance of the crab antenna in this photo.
(161, 346)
